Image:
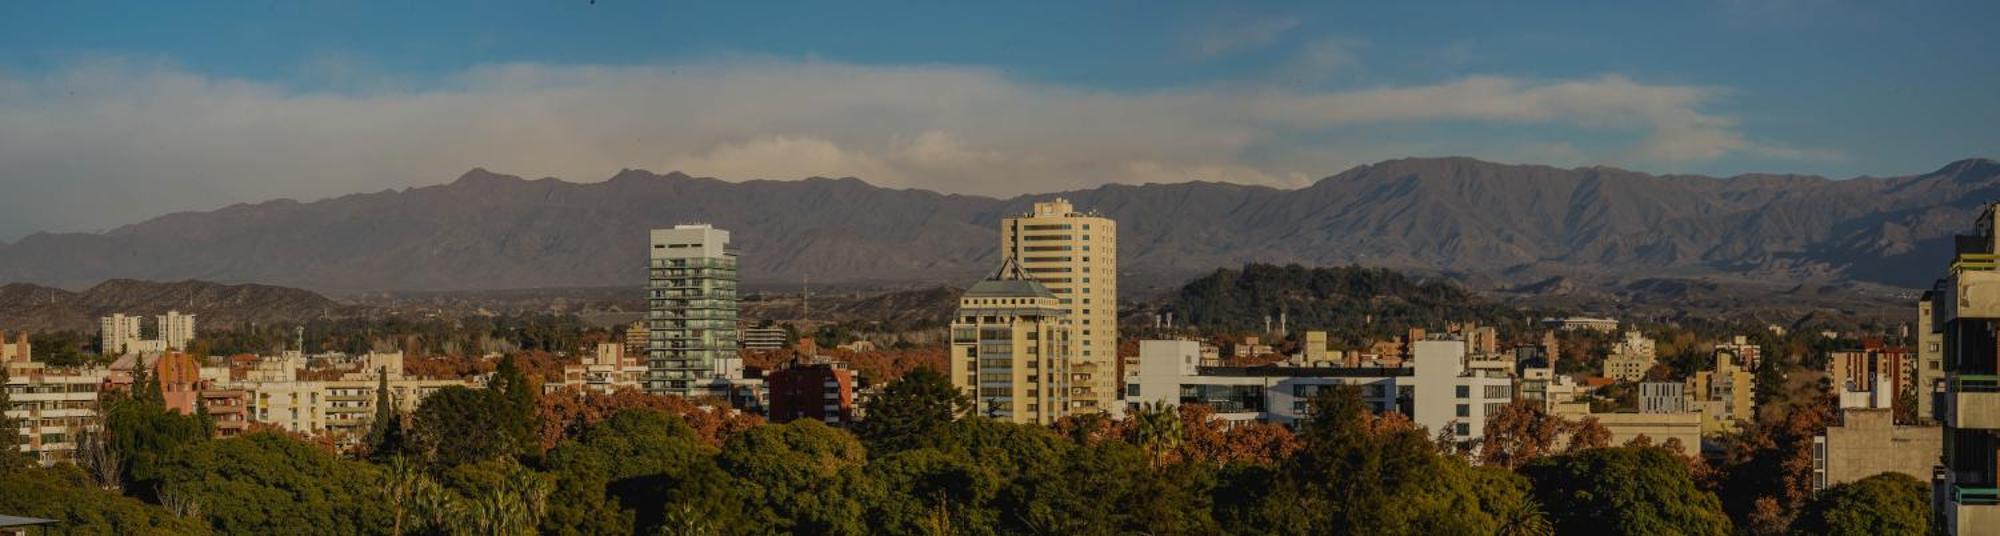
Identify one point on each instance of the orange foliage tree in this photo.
(567, 413)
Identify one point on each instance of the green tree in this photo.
(911, 408)
(1356, 470)
(1158, 429)
(64, 493)
(10, 436)
(1888, 503)
(143, 432)
(1624, 490)
(266, 483)
(803, 476)
(640, 472)
(456, 426)
(385, 434)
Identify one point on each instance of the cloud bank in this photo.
(112, 141)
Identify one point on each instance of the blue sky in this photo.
(193, 106)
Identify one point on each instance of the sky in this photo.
(113, 112)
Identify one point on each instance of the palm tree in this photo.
(1158, 429)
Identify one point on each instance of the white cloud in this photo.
(1222, 39)
(104, 142)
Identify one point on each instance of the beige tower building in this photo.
(1075, 255)
(1009, 344)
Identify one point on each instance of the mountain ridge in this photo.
(1522, 223)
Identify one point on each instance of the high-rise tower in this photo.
(1075, 255)
(691, 310)
(1966, 313)
(1009, 344)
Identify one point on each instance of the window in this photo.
(1498, 391)
(1131, 390)
(1464, 410)
(1464, 429)
(1464, 392)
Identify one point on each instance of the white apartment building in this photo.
(1170, 372)
(691, 312)
(342, 408)
(176, 330)
(50, 406)
(119, 334)
(1450, 397)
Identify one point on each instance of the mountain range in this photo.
(26, 307)
(1498, 225)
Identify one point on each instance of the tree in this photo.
(264, 483)
(802, 476)
(1624, 490)
(10, 436)
(568, 413)
(456, 425)
(142, 432)
(385, 434)
(1887, 503)
(1157, 430)
(910, 408)
(65, 494)
(634, 471)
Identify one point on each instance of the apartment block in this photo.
(1630, 358)
(1010, 348)
(1725, 396)
(1930, 362)
(118, 334)
(1171, 372)
(1663, 397)
(819, 390)
(1867, 442)
(343, 409)
(1965, 317)
(1448, 396)
(606, 370)
(691, 310)
(51, 406)
(763, 339)
(1074, 255)
(176, 330)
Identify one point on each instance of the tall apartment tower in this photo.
(176, 330)
(1010, 344)
(1075, 255)
(1930, 361)
(1965, 315)
(691, 310)
(118, 334)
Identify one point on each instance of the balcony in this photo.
(1973, 402)
(1973, 510)
(1974, 289)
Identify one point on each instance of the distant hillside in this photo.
(1351, 301)
(36, 308)
(1502, 225)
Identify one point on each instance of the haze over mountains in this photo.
(1505, 224)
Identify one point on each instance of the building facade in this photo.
(1725, 396)
(1965, 318)
(1010, 344)
(606, 371)
(691, 310)
(118, 334)
(1171, 372)
(763, 339)
(822, 391)
(1630, 358)
(176, 330)
(1075, 256)
(1663, 397)
(52, 407)
(1867, 442)
(1930, 362)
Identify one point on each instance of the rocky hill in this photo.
(1492, 225)
(25, 307)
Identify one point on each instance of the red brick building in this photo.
(822, 391)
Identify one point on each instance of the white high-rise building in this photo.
(119, 334)
(691, 312)
(1075, 256)
(176, 330)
